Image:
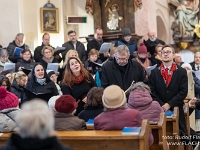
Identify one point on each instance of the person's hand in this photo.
(192, 102)
(106, 54)
(85, 99)
(57, 73)
(166, 107)
(20, 68)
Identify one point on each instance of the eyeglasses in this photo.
(167, 52)
(120, 59)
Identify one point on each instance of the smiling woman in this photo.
(77, 82)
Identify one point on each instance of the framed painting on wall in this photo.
(49, 20)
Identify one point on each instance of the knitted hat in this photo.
(50, 73)
(184, 65)
(113, 97)
(7, 99)
(126, 31)
(142, 48)
(52, 101)
(66, 104)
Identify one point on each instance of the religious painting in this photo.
(49, 20)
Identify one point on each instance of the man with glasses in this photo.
(18, 42)
(73, 44)
(169, 85)
(122, 71)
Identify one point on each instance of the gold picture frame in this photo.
(49, 20)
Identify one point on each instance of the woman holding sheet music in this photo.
(40, 85)
(3, 59)
(47, 52)
(26, 62)
(77, 82)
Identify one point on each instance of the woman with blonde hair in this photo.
(18, 84)
(77, 82)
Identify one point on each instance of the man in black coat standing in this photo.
(96, 44)
(169, 85)
(122, 71)
(73, 44)
(196, 63)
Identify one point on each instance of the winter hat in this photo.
(126, 31)
(113, 97)
(184, 65)
(50, 73)
(7, 99)
(66, 104)
(52, 101)
(142, 48)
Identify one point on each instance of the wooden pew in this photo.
(106, 140)
(100, 140)
(158, 131)
(172, 130)
(187, 120)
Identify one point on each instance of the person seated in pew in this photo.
(77, 82)
(8, 111)
(25, 62)
(36, 126)
(8, 74)
(141, 100)
(65, 107)
(93, 106)
(3, 59)
(51, 103)
(5, 83)
(116, 116)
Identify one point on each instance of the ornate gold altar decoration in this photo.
(184, 45)
(137, 4)
(197, 29)
(89, 7)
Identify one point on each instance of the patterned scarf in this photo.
(164, 72)
(78, 79)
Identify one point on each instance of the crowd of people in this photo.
(113, 87)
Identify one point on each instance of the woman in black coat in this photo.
(77, 82)
(18, 84)
(40, 85)
(93, 106)
(26, 62)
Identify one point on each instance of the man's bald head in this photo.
(152, 34)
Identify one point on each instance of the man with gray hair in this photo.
(122, 71)
(196, 63)
(18, 42)
(36, 125)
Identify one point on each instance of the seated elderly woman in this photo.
(8, 111)
(41, 134)
(116, 116)
(93, 106)
(3, 58)
(141, 100)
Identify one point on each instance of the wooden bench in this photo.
(187, 120)
(100, 140)
(172, 131)
(158, 131)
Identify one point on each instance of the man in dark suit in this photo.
(169, 85)
(196, 63)
(122, 71)
(96, 44)
(74, 44)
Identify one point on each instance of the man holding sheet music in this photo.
(14, 48)
(96, 44)
(169, 85)
(73, 44)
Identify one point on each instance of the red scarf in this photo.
(164, 72)
(78, 79)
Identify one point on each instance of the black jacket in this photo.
(193, 66)
(92, 67)
(90, 113)
(79, 91)
(18, 91)
(17, 143)
(94, 44)
(111, 74)
(23, 63)
(11, 48)
(152, 44)
(37, 52)
(174, 94)
(80, 48)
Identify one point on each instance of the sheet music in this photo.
(197, 73)
(53, 66)
(105, 47)
(148, 70)
(9, 66)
